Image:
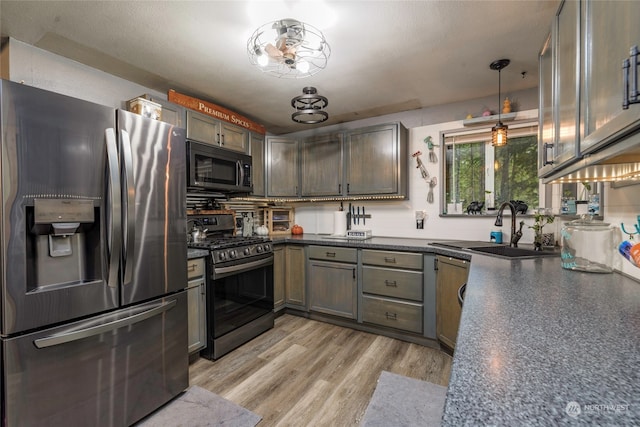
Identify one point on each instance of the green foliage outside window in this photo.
(512, 176)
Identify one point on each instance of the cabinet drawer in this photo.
(195, 268)
(392, 282)
(392, 259)
(395, 314)
(331, 253)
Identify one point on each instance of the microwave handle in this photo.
(240, 176)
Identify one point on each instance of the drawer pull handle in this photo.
(391, 316)
(331, 254)
(390, 260)
(192, 267)
(391, 283)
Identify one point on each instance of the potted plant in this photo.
(540, 219)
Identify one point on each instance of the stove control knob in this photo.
(267, 247)
(222, 255)
(247, 251)
(258, 248)
(232, 254)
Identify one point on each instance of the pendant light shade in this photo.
(499, 135)
(309, 107)
(499, 131)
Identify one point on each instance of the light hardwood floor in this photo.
(309, 373)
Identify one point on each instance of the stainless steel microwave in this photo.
(218, 169)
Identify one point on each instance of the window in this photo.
(475, 171)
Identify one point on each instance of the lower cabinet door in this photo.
(333, 288)
(394, 314)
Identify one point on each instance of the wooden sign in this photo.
(215, 111)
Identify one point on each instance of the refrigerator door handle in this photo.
(115, 239)
(85, 332)
(129, 229)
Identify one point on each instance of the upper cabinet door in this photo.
(203, 128)
(282, 167)
(612, 28)
(258, 162)
(567, 83)
(546, 129)
(373, 160)
(234, 137)
(322, 166)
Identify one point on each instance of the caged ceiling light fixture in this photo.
(499, 131)
(309, 107)
(288, 48)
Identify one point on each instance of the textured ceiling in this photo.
(387, 56)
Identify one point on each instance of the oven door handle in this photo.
(243, 267)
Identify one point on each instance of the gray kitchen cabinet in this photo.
(197, 304)
(332, 280)
(451, 274)
(279, 274)
(283, 174)
(206, 129)
(322, 163)
(393, 289)
(289, 277)
(295, 284)
(546, 108)
(611, 29)
(583, 86)
(559, 69)
(567, 70)
(257, 152)
(376, 159)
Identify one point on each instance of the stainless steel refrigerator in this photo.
(93, 248)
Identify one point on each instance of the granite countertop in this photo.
(537, 344)
(196, 253)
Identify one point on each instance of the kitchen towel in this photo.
(339, 223)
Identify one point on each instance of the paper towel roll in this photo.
(339, 223)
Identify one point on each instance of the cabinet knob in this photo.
(391, 316)
(391, 283)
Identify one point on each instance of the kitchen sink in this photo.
(494, 249)
(509, 252)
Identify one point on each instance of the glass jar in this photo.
(588, 245)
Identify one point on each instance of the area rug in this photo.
(403, 401)
(198, 407)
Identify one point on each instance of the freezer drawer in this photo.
(110, 370)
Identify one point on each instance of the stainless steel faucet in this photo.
(515, 235)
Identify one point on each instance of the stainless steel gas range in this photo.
(240, 285)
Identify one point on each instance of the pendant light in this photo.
(309, 107)
(499, 131)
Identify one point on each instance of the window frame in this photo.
(528, 127)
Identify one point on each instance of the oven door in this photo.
(214, 168)
(239, 294)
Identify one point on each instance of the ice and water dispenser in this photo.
(63, 243)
